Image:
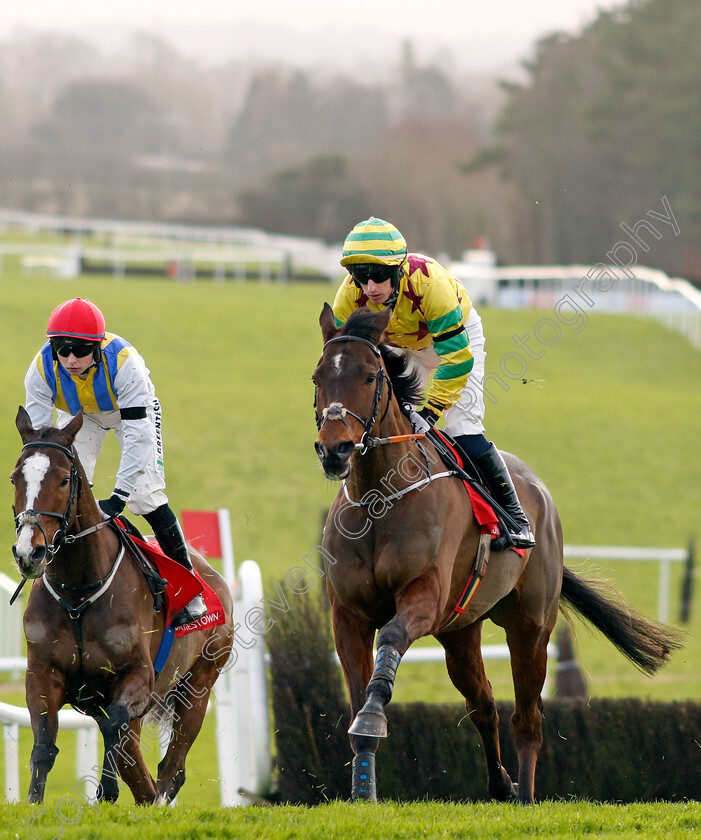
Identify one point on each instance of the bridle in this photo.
(61, 537)
(31, 516)
(337, 411)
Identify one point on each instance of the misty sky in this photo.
(441, 19)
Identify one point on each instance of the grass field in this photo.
(609, 417)
(389, 821)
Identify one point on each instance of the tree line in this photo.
(602, 124)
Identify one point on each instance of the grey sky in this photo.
(449, 19)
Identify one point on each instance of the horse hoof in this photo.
(370, 724)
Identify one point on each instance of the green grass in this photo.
(609, 417)
(389, 821)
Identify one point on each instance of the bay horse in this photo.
(400, 543)
(96, 650)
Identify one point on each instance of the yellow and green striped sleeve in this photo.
(451, 343)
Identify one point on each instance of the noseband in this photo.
(337, 411)
(31, 516)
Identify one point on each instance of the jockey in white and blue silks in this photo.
(82, 367)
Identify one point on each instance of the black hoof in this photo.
(372, 724)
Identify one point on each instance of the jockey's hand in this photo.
(109, 508)
(422, 421)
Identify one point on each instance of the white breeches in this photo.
(149, 489)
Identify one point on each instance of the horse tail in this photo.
(646, 643)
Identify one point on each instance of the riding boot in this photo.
(167, 531)
(500, 485)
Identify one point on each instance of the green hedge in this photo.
(606, 750)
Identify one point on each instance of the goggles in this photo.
(363, 273)
(63, 346)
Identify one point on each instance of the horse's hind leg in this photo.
(528, 645)
(463, 658)
(132, 767)
(190, 700)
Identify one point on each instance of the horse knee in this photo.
(111, 725)
(381, 682)
(393, 635)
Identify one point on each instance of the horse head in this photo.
(351, 383)
(46, 488)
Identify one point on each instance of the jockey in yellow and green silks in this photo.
(436, 326)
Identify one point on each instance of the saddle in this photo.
(487, 513)
(128, 533)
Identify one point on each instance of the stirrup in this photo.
(506, 539)
(191, 612)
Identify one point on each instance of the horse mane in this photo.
(406, 383)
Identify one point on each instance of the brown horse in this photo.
(403, 541)
(94, 645)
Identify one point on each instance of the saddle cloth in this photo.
(181, 584)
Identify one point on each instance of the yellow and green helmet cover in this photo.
(374, 241)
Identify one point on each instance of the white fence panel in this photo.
(664, 556)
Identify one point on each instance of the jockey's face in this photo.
(76, 365)
(378, 292)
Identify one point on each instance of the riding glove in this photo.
(111, 507)
(422, 421)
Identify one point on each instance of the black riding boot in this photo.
(167, 531)
(500, 485)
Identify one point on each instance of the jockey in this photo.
(435, 325)
(83, 367)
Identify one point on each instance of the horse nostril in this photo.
(39, 553)
(320, 450)
(345, 449)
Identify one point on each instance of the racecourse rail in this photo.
(240, 693)
(180, 251)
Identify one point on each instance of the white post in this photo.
(227, 546)
(254, 689)
(663, 598)
(86, 758)
(11, 733)
(228, 746)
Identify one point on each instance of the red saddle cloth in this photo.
(483, 512)
(182, 586)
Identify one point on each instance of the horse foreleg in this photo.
(465, 665)
(416, 612)
(131, 699)
(353, 638)
(44, 698)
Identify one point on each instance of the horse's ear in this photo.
(327, 322)
(70, 430)
(380, 323)
(24, 424)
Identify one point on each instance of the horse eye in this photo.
(12, 481)
(65, 481)
(369, 379)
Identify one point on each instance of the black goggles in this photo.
(363, 273)
(80, 349)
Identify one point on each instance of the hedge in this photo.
(605, 750)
